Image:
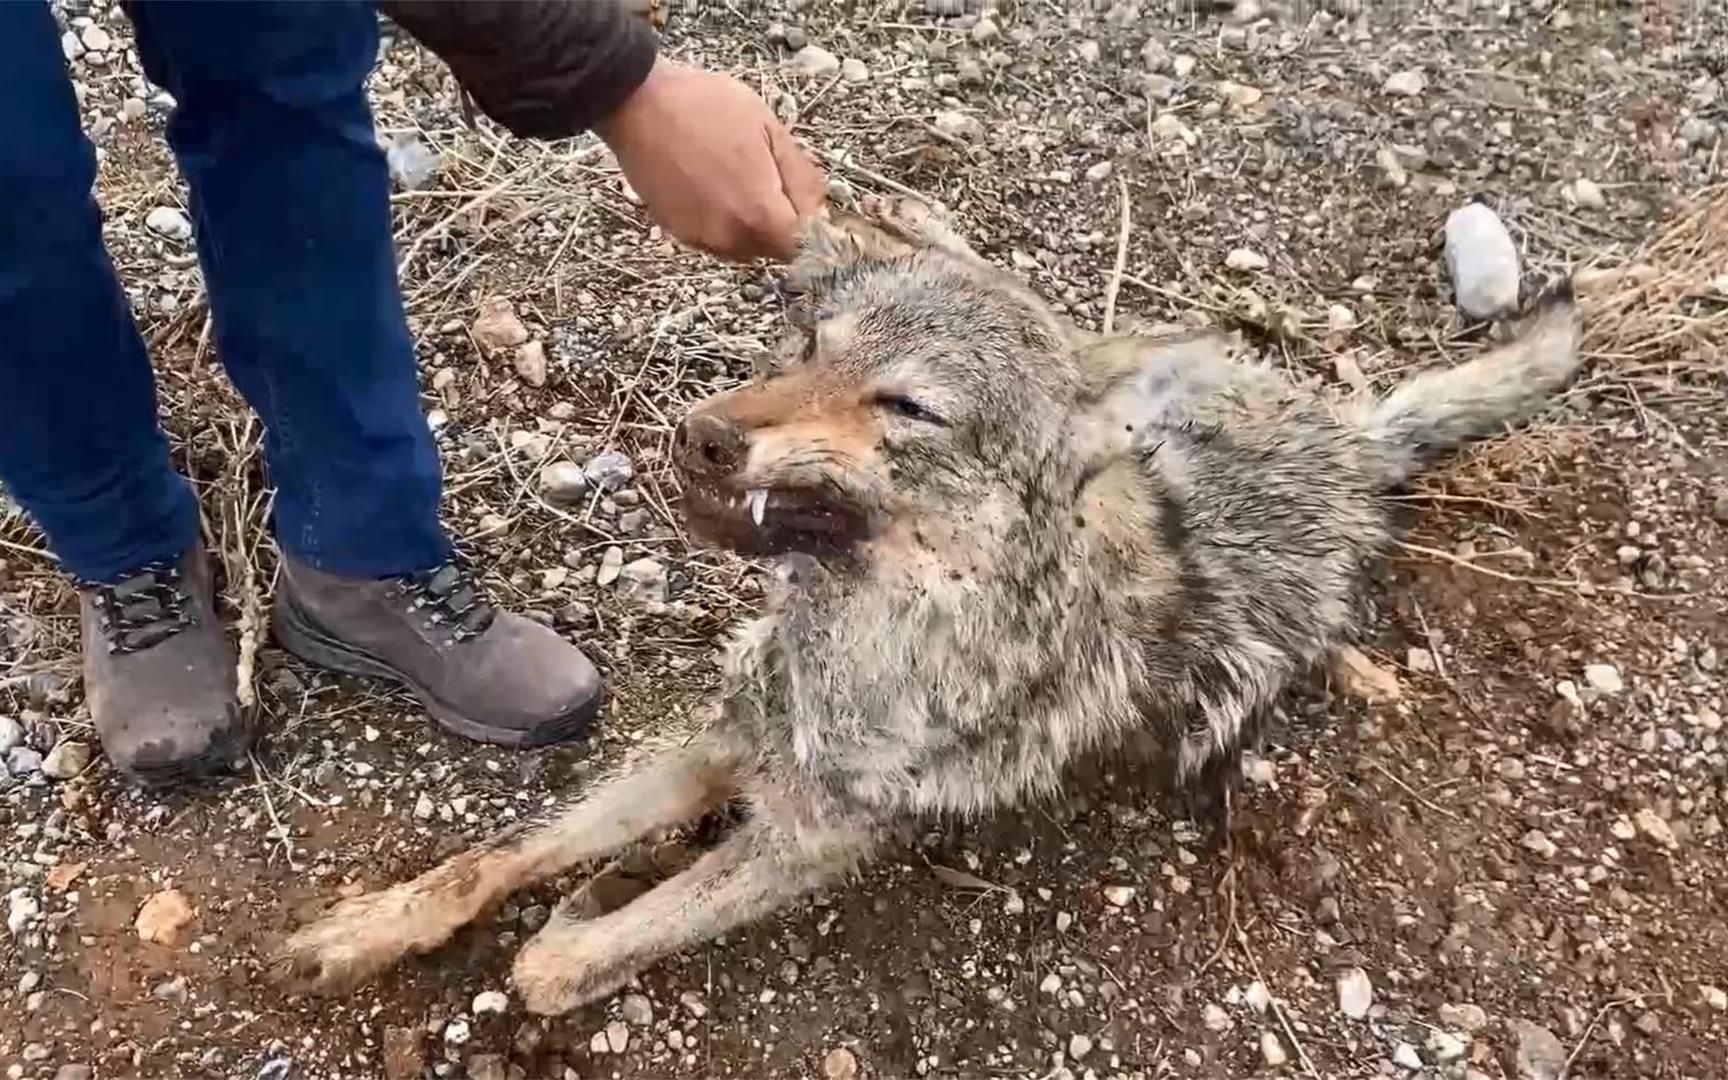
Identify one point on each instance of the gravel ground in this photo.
(1512, 868)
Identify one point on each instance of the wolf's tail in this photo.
(1437, 411)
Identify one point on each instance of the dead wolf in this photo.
(1003, 544)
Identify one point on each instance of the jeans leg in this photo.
(291, 200)
(80, 448)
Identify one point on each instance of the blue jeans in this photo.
(290, 201)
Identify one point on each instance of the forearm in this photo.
(542, 69)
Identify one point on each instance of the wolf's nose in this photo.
(707, 444)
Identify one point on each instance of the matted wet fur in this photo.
(1005, 545)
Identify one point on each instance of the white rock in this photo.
(1467, 1016)
(1272, 1051)
(1168, 127)
(854, 71)
(491, 1002)
(1182, 65)
(1482, 261)
(1052, 983)
(1446, 1046)
(1101, 171)
(1355, 993)
(1089, 51)
(815, 61)
(21, 911)
(1246, 260)
(1405, 1057)
(530, 362)
(611, 564)
(618, 1036)
(1079, 1046)
(598, 1044)
(637, 1010)
(958, 125)
(168, 222)
(423, 807)
(66, 760)
(1587, 194)
(1714, 996)
(1604, 678)
(1257, 996)
(564, 483)
(985, 30)
(1541, 1054)
(11, 734)
(609, 470)
(1215, 1018)
(643, 580)
(1339, 318)
(458, 1031)
(412, 165)
(1118, 895)
(23, 761)
(1536, 840)
(1655, 828)
(70, 46)
(96, 39)
(1405, 83)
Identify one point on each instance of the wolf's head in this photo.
(924, 395)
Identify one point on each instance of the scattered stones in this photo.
(11, 734)
(1655, 828)
(617, 1036)
(530, 362)
(637, 1010)
(1541, 1054)
(815, 62)
(693, 1004)
(171, 990)
(985, 31)
(1272, 1051)
(1245, 260)
(1355, 993)
(609, 470)
(1257, 996)
(1405, 83)
(164, 918)
(839, 1064)
(497, 327)
(457, 1032)
(1405, 1057)
(1079, 1045)
(66, 760)
(1420, 660)
(1714, 997)
(854, 71)
(96, 39)
(1603, 678)
(170, 223)
(491, 1003)
(564, 483)
(1100, 172)
(1482, 261)
(1118, 895)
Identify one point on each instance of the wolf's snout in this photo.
(708, 444)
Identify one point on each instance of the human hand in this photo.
(714, 167)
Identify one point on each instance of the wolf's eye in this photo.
(901, 405)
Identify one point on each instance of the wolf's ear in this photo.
(1132, 383)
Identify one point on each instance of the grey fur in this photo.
(1007, 546)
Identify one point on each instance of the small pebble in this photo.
(1272, 1051)
(1246, 260)
(1355, 993)
(491, 1002)
(1405, 83)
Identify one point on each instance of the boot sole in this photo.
(297, 632)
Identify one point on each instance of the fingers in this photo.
(800, 193)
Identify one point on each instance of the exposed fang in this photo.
(758, 500)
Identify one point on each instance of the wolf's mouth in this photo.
(774, 521)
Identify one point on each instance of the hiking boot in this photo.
(481, 673)
(159, 673)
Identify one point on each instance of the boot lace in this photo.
(450, 598)
(145, 609)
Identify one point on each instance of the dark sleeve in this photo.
(544, 69)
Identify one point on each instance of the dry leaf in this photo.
(1360, 677)
(960, 879)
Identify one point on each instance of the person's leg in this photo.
(290, 194)
(80, 448)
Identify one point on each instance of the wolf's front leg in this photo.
(366, 934)
(752, 874)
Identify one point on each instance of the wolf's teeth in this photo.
(758, 501)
